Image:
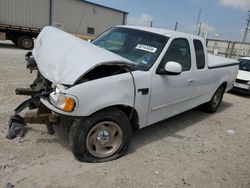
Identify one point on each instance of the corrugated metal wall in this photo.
(228, 49)
(31, 13)
(73, 16)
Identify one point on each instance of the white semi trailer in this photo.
(22, 21)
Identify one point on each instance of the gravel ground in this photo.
(193, 149)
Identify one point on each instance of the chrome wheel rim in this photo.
(104, 139)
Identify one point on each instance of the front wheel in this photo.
(213, 105)
(101, 137)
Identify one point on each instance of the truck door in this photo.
(202, 80)
(170, 93)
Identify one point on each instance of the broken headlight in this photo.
(62, 101)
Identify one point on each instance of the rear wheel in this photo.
(213, 105)
(25, 42)
(101, 137)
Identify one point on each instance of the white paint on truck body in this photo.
(101, 93)
(62, 59)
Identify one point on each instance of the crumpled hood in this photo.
(243, 75)
(63, 58)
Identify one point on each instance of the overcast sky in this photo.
(223, 19)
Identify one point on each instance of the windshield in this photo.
(141, 47)
(244, 65)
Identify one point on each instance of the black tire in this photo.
(213, 105)
(83, 129)
(25, 42)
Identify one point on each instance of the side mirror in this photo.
(173, 68)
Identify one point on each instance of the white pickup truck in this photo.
(126, 79)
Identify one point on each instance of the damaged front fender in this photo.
(100, 93)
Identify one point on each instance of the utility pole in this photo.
(199, 29)
(247, 28)
(198, 23)
(176, 26)
(151, 24)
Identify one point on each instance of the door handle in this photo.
(144, 91)
(190, 81)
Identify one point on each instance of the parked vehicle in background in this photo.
(242, 83)
(127, 79)
(21, 36)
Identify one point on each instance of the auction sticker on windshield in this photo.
(146, 48)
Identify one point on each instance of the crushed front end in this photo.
(40, 88)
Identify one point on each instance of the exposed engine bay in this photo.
(41, 88)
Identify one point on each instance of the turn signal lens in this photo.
(65, 103)
(69, 104)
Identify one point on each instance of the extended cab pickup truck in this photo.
(126, 79)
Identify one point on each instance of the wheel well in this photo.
(130, 112)
(224, 85)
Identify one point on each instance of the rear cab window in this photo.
(200, 54)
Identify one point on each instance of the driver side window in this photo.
(179, 51)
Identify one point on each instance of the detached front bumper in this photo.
(39, 89)
(43, 115)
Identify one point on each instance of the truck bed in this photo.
(218, 62)
(20, 29)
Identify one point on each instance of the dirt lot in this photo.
(193, 149)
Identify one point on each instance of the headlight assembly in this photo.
(62, 101)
